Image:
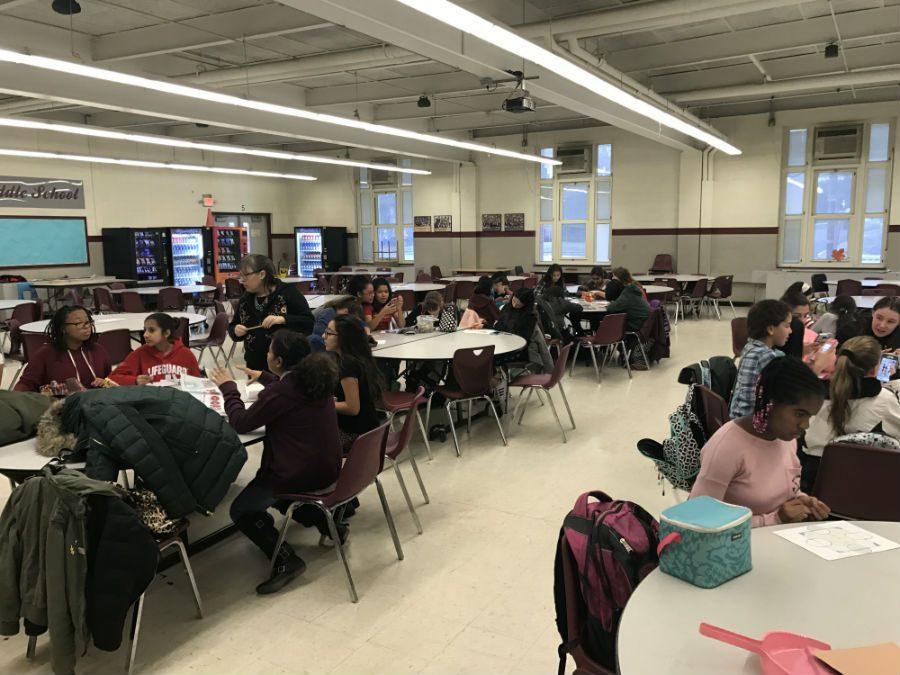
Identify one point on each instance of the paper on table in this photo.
(883, 659)
(480, 331)
(836, 540)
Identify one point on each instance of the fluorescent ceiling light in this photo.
(195, 145)
(60, 66)
(468, 22)
(149, 165)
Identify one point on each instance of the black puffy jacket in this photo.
(183, 452)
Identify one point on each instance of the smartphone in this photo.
(887, 368)
(825, 348)
(822, 337)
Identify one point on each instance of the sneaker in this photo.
(639, 366)
(282, 574)
(343, 534)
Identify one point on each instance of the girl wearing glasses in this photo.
(71, 361)
(267, 305)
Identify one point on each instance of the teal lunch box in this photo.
(704, 541)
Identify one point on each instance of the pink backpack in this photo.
(613, 544)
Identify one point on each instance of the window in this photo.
(835, 211)
(575, 212)
(385, 218)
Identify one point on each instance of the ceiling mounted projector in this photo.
(519, 100)
(66, 7)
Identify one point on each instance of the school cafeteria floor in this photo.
(474, 594)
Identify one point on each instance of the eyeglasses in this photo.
(80, 324)
(242, 275)
(330, 332)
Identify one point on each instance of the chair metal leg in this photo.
(453, 429)
(566, 401)
(424, 432)
(136, 613)
(389, 518)
(643, 353)
(518, 402)
(16, 377)
(733, 312)
(339, 549)
(29, 650)
(574, 358)
(627, 360)
(182, 551)
(428, 412)
(555, 414)
(415, 468)
(409, 504)
(497, 418)
(200, 355)
(527, 399)
(596, 368)
(469, 418)
(282, 533)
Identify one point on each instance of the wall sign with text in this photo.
(41, 193)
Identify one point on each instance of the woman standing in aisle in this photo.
(266, 305)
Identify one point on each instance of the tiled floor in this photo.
(474, 593)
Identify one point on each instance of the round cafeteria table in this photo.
(649, 289)
(418, 287)
(316, 301)
(866, 283)
(154, 290)
(11, 303)
(862, 301)
(680, 278)
(103, 323)
(475, 279)
(850, 602)
(442, 346)
(297, 280)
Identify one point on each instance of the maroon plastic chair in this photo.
(849, 287)
(361, 468)
(449, 293)
(214, 341)
(423, 278)
(739, 335)
(344, 268)
(871, 293)
(22, 313)
(397, 278)
(233, 288)
(531, 282)
(436, 272)
(720, 291)
(409, 301)
(116, 286)
(662, 264)
(183, 332)
(715, 410)
(887, 289)
(472, 370)
(610, 333)
(305, 287)
(398, 441)
(117, 344)
(544, 382)
(697, 297)
(673, 298)
(103, 300)
(516, 285)
(464, 290)
(859, 482)
(394, 402)
(30, 343)
(643, 335)
(323, 285)
(382, 269)
(170, 300)
(75, 297)
(131, 302)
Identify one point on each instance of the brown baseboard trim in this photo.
(893, 228)
(95, 239)
(676, 231)
(282, 235)
(473, 235)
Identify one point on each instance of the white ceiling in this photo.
(742, 60)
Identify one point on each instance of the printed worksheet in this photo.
(837, 539)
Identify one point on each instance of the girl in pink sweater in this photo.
(752, 460)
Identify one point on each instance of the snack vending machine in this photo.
(139, 254)
(229, 245)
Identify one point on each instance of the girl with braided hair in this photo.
(752, 460)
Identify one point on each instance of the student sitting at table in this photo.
(840, 316)
(768, 327)
(71, 361)
(482, 303)
(621, 278)
(518, 316)
(500, 289)
(799, 306)
(266, 305)
(856, 402)
(884, 324)
(387, 305)
(161, 357)
(631, 302)
(301, 448)
(561, 308)
(596, 282)
(361, 382)
(362, 288)
(752, 461)
(433, 305)
(345, 304)
(552, 277)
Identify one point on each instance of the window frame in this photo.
(858, 215)
(368, 233)
(591, 222)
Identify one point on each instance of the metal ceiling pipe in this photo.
(804, 84)
(307, 66)
(646, 16)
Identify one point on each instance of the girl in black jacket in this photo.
(518, 316)
(266, 305)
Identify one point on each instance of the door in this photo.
(258, 227)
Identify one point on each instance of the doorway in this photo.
(258, 227)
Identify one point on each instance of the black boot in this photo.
(287, 565)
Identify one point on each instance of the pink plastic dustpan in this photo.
(780, 652)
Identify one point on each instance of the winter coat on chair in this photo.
(19, 414)
(48, 556)
(184, 452)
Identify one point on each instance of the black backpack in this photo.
(718, 374)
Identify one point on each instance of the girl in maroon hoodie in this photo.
(71, 361)
(161, 357)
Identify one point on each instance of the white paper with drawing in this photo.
(836, 540)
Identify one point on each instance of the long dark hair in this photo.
(482, 286)
(315, 375)
(844, 308)
(56, 329)
(357, 284)
(254, 262)
(785, 381)
(548, 275)
(166, 322)
(377, 283)
(353, 343)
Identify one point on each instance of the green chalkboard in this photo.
(43, 242)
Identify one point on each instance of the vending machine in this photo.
(229, 245)
(320, 247)
(142, 255)
(188, 255)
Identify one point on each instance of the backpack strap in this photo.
(580, 508)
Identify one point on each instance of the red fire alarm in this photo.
(208, 201)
